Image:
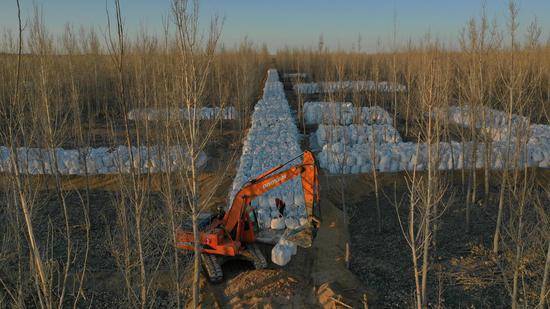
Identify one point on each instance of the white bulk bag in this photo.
(290, 246)
(292, 223)
(278, 223)
(280, 255)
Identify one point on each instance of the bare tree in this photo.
(14, 117)
(544, 220)
(196, 54)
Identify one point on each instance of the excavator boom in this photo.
(272, 179)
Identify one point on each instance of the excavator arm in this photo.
(272, 179)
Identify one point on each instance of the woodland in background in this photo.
(497, 66)
(108, 241)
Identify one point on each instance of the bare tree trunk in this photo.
(496, 236)
(427, 217)
(414, 254)
(196, 234)
(375, 178)
(39, 268)
(425, 253)
(410, 234)
(517, 259)
(543, 289)
(196, 55)
(512, 24)
(343, 197)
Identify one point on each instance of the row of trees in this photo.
(75, 91)
(496, 67)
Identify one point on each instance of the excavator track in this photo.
(258, 259)
(212, 267)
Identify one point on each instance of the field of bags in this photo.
(348, 148)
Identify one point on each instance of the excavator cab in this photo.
(220, 213)
(252, 216)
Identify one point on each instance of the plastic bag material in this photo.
(280, 255)
(292, 223)
(290, 246)
(278, 223)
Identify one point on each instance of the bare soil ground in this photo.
(463, 272)
(274, 287)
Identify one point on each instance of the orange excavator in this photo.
(233, 234)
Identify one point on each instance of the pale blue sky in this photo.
(292, 22)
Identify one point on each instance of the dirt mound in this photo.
(330, 266)
(273, 287)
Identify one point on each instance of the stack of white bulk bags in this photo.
(507, 132)
(344, 113)
(103, 160)
(272, 140)
(335, 86)
(481, 116)
(296, 75)
(153, 114)
(339, 158)
(357, 134)
(351, 149)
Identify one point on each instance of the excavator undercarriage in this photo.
(211, 263)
